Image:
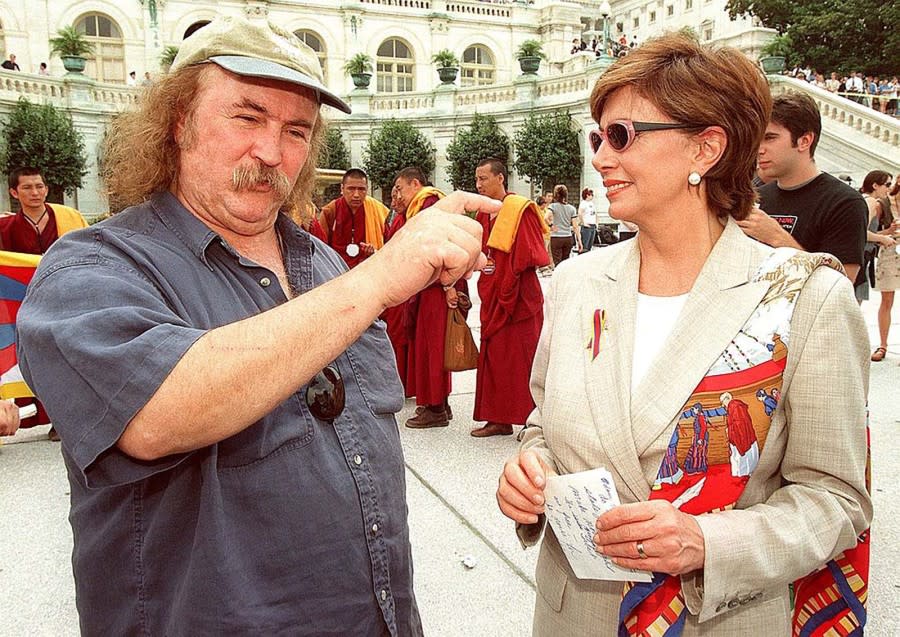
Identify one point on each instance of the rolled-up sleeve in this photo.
(95, 341)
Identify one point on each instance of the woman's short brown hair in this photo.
(715, 86)
(560, 193)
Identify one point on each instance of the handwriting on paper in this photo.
(573, 504)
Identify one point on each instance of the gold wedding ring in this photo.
(640, 550)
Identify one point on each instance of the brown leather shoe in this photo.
(428, 418)
(492, 429)
(447, 408)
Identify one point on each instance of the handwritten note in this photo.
(573, 504)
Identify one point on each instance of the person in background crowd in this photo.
(33, 229)
(10, 64)
(511, 303)
(832, 84)
(42, 69)
(801, 206)
(147, 81)
(354, 222)
(564, 225)
(649, 363)
(224, 393)
(883, 232)
(587, 221)
(426, 377)
(131, 80)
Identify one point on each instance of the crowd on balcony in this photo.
(879, 93)
(614, 48)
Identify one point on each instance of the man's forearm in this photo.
(268, 356)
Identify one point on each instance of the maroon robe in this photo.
(511, 319)
(345, 227)
(397, 321)
(18, 235)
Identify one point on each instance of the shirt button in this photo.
(357, 459)
(374, 528)
(265, 282)
(383, 594)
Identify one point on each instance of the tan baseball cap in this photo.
(257, 50)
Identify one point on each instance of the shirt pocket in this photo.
(374, 369)
(288, 426)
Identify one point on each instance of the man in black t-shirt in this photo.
(803, 207)
(10, 64)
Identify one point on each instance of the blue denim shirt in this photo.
(292, 526)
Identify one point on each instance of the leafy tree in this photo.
(482, 140)
(334, 152)
(833, 35)
(44, 137)
(547, 150)
(392, 148)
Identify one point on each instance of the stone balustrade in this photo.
(401, 102)
(862, 119)
(408, 4)
(480, 9)
(581, 83)
(476, 96)
(66, 91)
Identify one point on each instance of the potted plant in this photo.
(530, 53)
(775, 53)
(447, 65)
(359, 67)
(72, 48)
(168, 56)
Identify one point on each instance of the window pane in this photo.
(386, 49)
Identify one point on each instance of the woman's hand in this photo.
(671, 541)
(521, 490)
(887, 241)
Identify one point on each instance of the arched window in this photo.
(107, 64)
(193, 28)
(314, 42)
(394, 65)
(477, 67)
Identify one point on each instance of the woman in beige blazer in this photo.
(634, 337)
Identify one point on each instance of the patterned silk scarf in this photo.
(714, 449)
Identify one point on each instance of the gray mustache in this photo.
(246, 177)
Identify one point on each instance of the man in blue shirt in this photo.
(224, 393)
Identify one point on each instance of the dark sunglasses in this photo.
(621, 133)
(325, 394)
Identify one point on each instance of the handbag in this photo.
(460, 351)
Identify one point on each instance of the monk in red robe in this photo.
(354, 222)
(397, 318)
(511, 304)
(33, 230)
(426, 377)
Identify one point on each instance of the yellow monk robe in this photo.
(511, 310)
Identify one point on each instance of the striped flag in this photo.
(16, 270)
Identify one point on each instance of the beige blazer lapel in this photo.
(608, 376)
(720, 302)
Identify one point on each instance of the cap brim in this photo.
(255, 67)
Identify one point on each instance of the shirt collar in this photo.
(197, 236)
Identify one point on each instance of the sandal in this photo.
(879, 354)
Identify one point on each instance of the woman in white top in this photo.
(720, 382)
(587, 221)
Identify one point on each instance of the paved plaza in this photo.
(472, 576)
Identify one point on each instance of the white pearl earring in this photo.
(694, 178)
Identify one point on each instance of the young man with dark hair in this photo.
(511, 303)
(33, 229)
(802, 207)
(354, 222)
